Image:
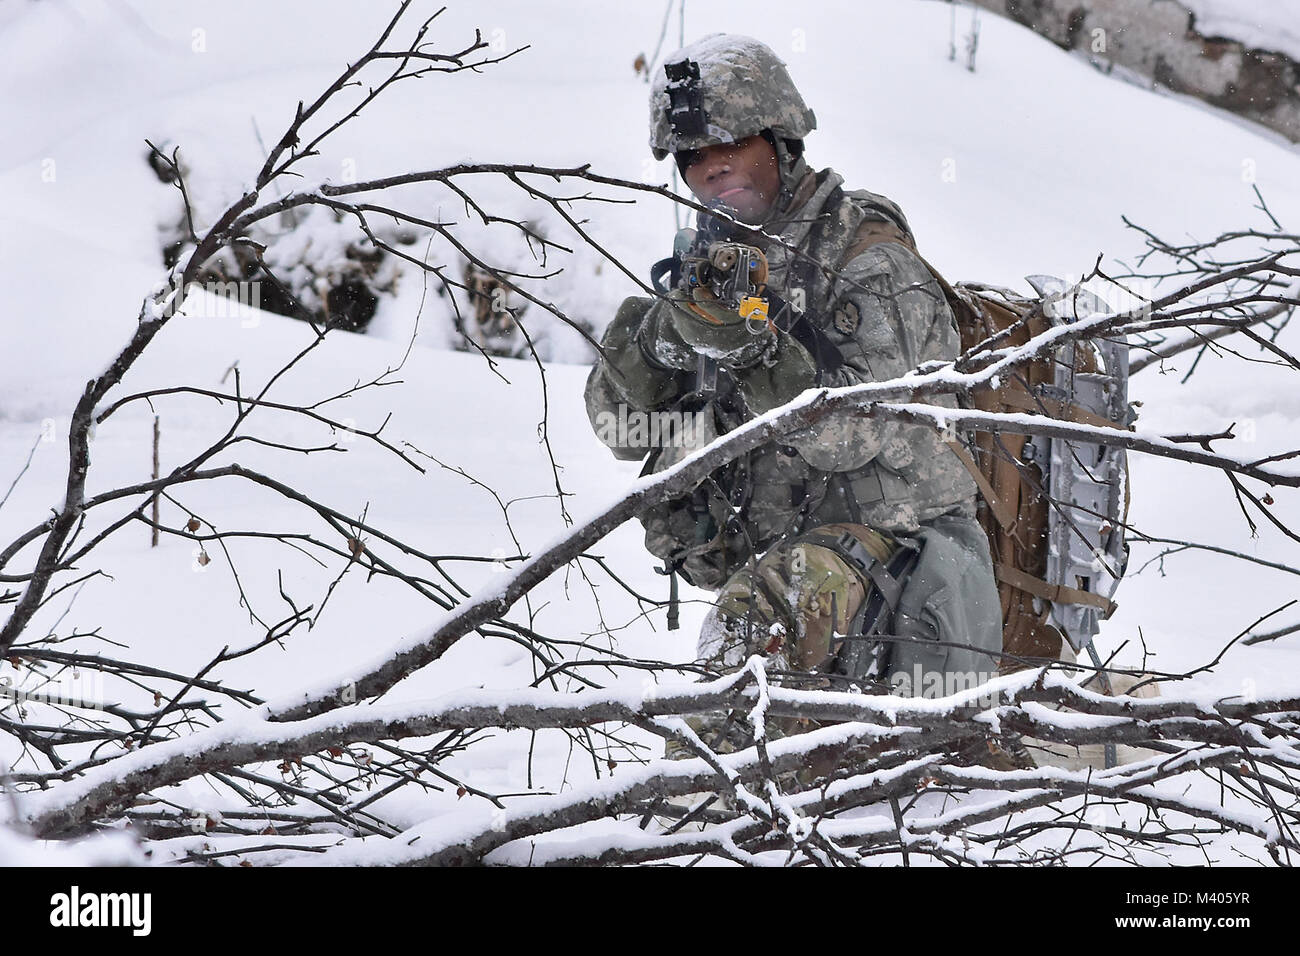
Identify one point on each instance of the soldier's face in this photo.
(743, 175)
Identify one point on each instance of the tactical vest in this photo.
(773, 492)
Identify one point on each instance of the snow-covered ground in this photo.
(1024, 166)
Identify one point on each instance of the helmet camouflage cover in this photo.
(722, 89)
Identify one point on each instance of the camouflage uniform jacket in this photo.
(883, 313)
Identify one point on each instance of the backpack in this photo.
(1056, 567)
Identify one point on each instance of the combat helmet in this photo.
(722, 89)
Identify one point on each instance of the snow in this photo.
(1044, 170)
(1258, 25)
(112, 848)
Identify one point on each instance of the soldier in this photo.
(847, 553)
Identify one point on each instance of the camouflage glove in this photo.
(710, 328)
(779, 377)
(660, 343)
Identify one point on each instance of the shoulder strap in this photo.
(803, 270)
(879, 226)
(872, 231)
(1056, 593)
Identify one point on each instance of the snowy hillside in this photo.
(1000, 178)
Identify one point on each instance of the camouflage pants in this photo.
(793, 605)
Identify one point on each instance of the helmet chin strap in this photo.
(791, 168)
